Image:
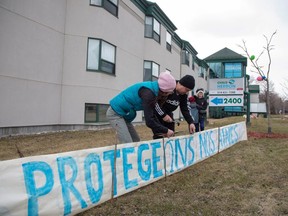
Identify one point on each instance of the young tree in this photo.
(259, 69)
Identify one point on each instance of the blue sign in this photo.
(217, 100)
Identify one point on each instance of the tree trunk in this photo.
(268, 108)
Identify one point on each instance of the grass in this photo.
(250, 178)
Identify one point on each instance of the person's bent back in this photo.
(140, 96)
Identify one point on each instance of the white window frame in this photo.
(101, 56)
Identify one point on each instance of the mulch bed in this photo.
(267, 135)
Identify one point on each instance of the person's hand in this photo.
(170, 133)
(192, 128)
(167, 118)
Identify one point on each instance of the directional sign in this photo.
(226, 86)
(217, 92)
(231, 100)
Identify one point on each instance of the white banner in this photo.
(138, 164)
(231, 134)
(56, 184)
(184, 151)
(71, 182)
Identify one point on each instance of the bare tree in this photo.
(259, 69)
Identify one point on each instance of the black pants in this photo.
(169, 125)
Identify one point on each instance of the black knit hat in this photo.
(188, 81)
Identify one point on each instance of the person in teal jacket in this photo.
(140, 96)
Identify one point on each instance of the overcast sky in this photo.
(211, 25)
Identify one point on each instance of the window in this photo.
(152, 28)
(193, 63)
(109, 5)
(185, 57)
(201, 72)
(151, 71)
(217, 68)
(168, 41)
(95, 112)
(233, 70)
(101, 56)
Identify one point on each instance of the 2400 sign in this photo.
(226, 100)
(232, 100)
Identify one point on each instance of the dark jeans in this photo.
(200, 125)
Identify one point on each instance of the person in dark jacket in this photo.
(201, 106)
(140, 96)
(164, 112)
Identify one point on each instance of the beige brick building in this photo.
(62, 61)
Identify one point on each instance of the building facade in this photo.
(62, 61)
(228, 64)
